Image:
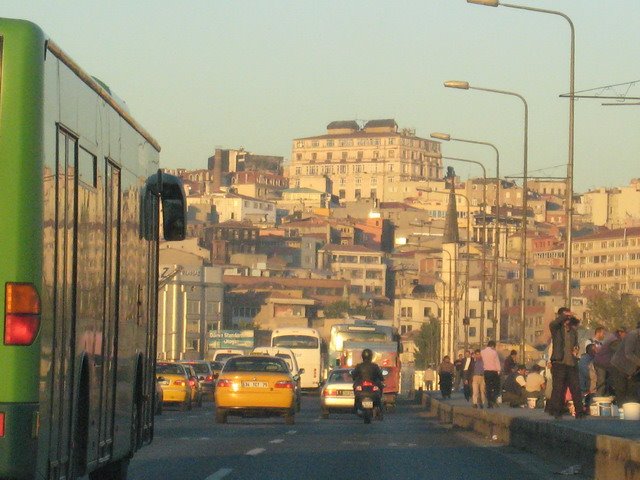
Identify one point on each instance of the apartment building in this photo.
(364, 161)
(232, 206)
(608, 260)
(613, 208)
(364, 268)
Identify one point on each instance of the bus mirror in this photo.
(169, 190)
(174, 208)
(301, 371)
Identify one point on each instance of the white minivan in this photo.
(290, 359)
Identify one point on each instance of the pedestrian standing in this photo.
(491, 363)
(564, 363)
(445, 371)
(587, 373)
(457, 380)
(510, 363)
(478, 386)
(467, 374)
(605, 353)
(626, 365)
(599, 334)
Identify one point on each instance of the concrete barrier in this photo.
(604, 457)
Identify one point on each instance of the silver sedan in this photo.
(337, 393)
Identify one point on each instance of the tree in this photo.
(339, 309)
(614, 309)
(427, 344)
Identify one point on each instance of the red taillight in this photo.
(209, 378)
(22, 314)
(223, 382)
(358, 388)
(367, 383)
(328, 393)
(179, 383)
(1, 424)
(192, 383)
(284, 384)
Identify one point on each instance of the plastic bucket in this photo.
(605, 409)
(594, 410)
(531, 402)
(631, 411)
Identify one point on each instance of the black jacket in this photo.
(559, 336)
(368, 371)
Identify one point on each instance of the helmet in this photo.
(367, 355)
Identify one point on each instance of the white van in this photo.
(290, 359)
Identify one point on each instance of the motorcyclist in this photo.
(367, 370)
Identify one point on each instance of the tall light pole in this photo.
(525, 204)
(484, 236)
(496, 258)
(569, 192)
(468, 261)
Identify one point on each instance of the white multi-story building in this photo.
(364, 162)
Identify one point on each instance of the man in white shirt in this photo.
(491, 362)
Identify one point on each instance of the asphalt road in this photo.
(406, 445)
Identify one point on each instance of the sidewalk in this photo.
(606, 448)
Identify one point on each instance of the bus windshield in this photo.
(296, 341)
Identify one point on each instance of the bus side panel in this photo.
(21, 91)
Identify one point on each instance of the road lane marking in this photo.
(255, 451)
(223, 472)
(204, 438)
(349, 442)
(292, 432)
(277, 440)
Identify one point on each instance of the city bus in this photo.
(348, 340)
(309, 349)
(80, 196)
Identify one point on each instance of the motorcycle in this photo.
(368, 400)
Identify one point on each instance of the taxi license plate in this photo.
(255, 384)
(367, 404)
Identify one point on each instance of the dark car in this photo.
(205, 376)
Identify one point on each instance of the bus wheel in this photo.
(113, 471)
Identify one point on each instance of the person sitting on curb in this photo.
(536, 385)
(513, 390)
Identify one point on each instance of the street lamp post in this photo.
(523, 247)
(484, 236)
(569, 193)
(496, 258)
(468, 260)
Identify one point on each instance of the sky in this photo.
(203, 74)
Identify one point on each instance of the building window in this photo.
(374, 180)
(344, 155)
(472, 331)
(342, 194)
(329, 143)
(357, 194)
(392, 153)
(472, 313)
(373, 193)
(329, 155)
(314, 156)
(360, 154)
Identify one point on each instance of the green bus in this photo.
(80, 200)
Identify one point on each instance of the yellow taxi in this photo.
(255, 385)
(174, 380)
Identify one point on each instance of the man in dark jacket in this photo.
(564, 363)
(367, 370)
(513, 389)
